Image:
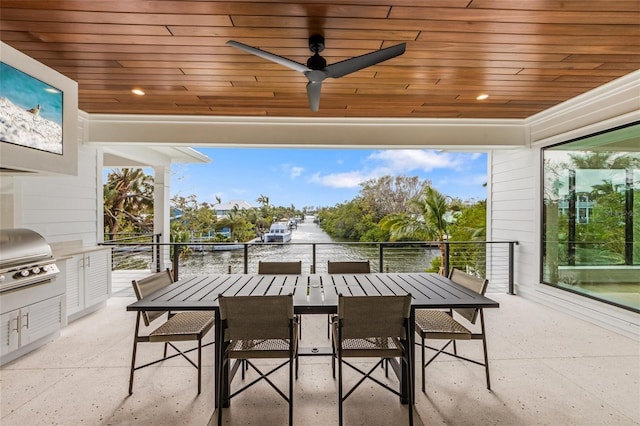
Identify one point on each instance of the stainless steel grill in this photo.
(25, 259)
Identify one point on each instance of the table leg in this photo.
(219, 369)
(411, 343)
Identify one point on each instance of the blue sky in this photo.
(321, 177)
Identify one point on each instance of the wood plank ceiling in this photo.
(527, 55)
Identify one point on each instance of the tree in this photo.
(430, 224)
(390, 194)
(235, 221)
(128, 201)
(469, 226)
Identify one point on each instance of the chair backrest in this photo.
(280, 267)
(373, 316)
(351, 267)
(256, 317)
(479, 285)
(149, 284)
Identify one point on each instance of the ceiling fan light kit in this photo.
(316, 70)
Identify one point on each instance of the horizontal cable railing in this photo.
(490, 259)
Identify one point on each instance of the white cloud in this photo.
(296, 171)
(343, 180)
(406, 160)
(395, 162)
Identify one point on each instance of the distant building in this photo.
(223, 208)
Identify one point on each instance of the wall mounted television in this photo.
(31, 111)
(38, 117)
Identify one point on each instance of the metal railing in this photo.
(491, 259)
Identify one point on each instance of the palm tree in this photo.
(430, 224)
(234, 220)
(128, 196)
(263, 199)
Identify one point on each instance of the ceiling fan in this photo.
(316, 69)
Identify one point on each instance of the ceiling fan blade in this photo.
(296, 66)
(313, 93)
(348, 66)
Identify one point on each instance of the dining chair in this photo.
(349, 267)
(282, 268)
(178, 326)
(372, 327)
(276, 268)
(258, 327)
(346, 267)
(437, 324)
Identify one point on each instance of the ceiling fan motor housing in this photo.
(316, 43)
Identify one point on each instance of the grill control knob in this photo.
(35, 270)
(24, 273)
(1, 278)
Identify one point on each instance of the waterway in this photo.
(307, 236)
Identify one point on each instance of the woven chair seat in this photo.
(183, 326)
(269, 348)
(383, 347)
(439, 325)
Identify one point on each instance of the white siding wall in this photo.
(512, 206)
(63, 208)
(516, 194)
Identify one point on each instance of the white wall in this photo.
(516, 194)
(62, 208)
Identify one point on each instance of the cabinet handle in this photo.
(26, 325)
(16, 319)
(88, 261)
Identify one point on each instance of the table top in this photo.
(313, 293)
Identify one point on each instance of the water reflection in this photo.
(402, 259)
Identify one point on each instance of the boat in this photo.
(279, 232)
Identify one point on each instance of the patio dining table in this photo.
(312, 294)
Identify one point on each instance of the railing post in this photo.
(156, 239)
(246, 258)
(511, 262)
(446, 258)
(313, 255)
(381, 257)
(176, 256)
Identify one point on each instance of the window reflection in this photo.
(591, 223)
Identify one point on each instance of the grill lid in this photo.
(20, 245)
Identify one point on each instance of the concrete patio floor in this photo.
(547, 368)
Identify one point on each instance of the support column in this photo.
(162, 212)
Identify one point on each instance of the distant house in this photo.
(222, 209)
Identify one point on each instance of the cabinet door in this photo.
(10, 323)
(74, 275)
(97, 277)
(40, 319)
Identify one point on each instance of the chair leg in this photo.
(339, 388)
(133, 355)
(199, 364)
(410, 387)
(424, 368)
(221, 379)
(484, 348)
(291, 368)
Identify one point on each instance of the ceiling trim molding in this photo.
(296, 132)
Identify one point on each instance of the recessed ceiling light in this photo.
(482, 97)
(137, 92)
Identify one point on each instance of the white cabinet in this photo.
(24, 326)
(88, 281)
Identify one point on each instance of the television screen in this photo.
(30, 111)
